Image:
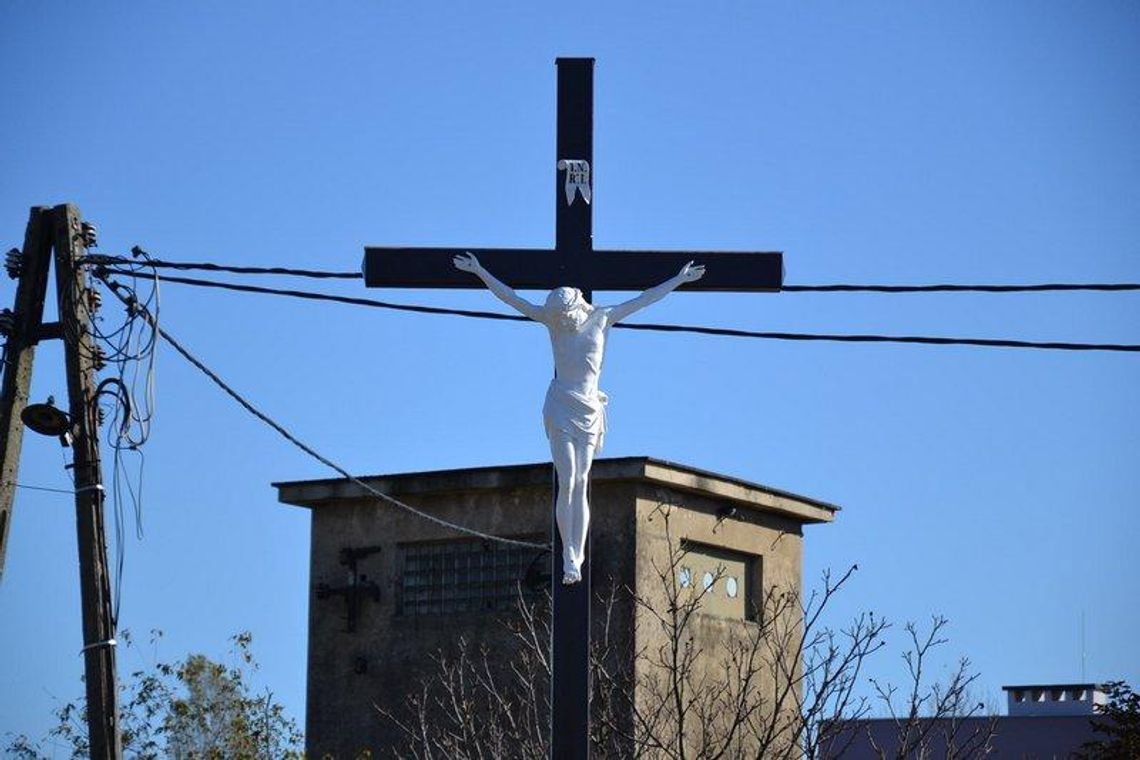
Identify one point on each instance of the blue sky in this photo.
(871, 142)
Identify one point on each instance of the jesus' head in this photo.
(568, 306)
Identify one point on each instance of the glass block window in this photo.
(467, 575)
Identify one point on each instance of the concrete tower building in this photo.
(389, 589)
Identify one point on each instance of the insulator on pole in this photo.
(99, 359)
(94, 300)
(90, 235)
(14, 263)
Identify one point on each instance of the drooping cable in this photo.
(123, 293)
(125, 397)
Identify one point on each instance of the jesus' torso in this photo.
(578, 352)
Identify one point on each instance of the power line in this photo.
(914, 339)
(698, 330)
(68, 491)
(351, 300)
(131, 303)
(834, 288)
(1040, 288)
(96, 260)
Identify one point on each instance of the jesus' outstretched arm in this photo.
(689, 273)
(468, 263)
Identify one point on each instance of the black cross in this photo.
(573, 262)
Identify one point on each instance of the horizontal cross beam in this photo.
(538, 269)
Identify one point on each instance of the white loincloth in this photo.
(581, 417)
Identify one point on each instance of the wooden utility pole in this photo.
(62, 228)
(20, 353)
(75, 312)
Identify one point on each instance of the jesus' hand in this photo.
(467, 262)
(692, 272)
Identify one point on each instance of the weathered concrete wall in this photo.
(395, 650)
(667, 519)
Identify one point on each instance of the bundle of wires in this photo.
(126, 399)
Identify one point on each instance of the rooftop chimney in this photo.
(1038, 700)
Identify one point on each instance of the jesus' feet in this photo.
(570, 577)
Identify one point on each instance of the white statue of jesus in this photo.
(575, 410)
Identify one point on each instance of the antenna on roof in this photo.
(1083, 677)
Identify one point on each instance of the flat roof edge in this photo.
(615, 469)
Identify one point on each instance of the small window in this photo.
(729, 580)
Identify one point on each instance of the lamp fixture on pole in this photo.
(46, 419)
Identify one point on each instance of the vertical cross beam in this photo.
(570, 682)
(574, 219)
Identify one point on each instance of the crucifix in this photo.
(573, 271)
